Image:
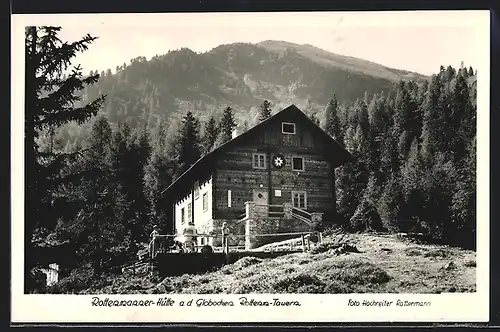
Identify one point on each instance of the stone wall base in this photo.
(258, 227)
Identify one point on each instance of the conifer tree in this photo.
(49, 102)
(158, 173)
(471, 71)
(265, 110)
(188, 143)
(432, 138)
(347, 200)
(226, 127)
(315, 119)
(464, 200)
(411, 177)
(333, 126)
(98, 229)
(391, 200)
(462, 120)
(210, 135)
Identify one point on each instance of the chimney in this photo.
(234, 134)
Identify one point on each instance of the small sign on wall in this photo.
(277, 193)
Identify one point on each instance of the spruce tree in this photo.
(471, 71)
(333, 126)
(227, 125)
(403, 119)
(51, 101)
(464, 200)
(432, 120)
(159, 173)
(97, 231)
(411, 177)
(107, 201)
(265, 110)
(210, 135)
(390, 202)
(188, 143)
(462, 120)
(315, 119)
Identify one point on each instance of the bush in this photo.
(206, 250)
(255, 284)
(39, 280)
(351, 272)
(245, 262)
(361, 273)
(299, 283)
(366, 217)
(437, 253)
(78, 280)
(415, 251)
(332, 243)
(335, 287)
(470, 263)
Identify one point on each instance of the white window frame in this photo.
(183, 216)
(299, 193)
(258, 166)
(303, 164)
(189, 212)
(205, 202)
(283, 128)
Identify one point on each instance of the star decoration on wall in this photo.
(278, 161)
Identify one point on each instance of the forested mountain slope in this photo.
(239, 75)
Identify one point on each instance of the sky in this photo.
(415, 41)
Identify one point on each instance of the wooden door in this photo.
(260, 197)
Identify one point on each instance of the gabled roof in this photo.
(340, 153)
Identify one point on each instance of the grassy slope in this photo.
(385, 265)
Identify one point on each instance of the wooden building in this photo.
(286, 158)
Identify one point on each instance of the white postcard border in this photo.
(473, 307)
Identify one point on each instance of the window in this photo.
(259, 160)
(182, 216)
(288, 128)
(299, 199)
(190, 213)
(229, 198)
(205, 201)
(298, 163)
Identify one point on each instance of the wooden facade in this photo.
(286, 158)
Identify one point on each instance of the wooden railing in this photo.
(302, 215)
(161, 247)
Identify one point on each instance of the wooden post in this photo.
(303, 242)
(223, 243)
(320, 237)
(269, 178)
(192, 204)
(225, 240)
